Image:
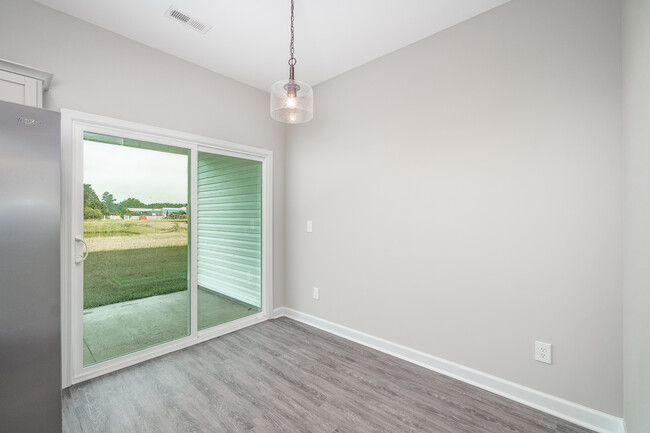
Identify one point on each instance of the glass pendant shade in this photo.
(292, 101)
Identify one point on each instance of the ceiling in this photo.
(249, 39)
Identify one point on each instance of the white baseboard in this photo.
(569, 411)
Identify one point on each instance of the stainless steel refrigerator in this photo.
(30, 213)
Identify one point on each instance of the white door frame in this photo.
(73, 125)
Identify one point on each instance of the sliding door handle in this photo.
(85, 254)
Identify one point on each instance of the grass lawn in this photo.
(103, 235)
(123, 275)
(109, 228)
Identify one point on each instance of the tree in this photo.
(109, 201)
(180, 215)
(89, 194)
(162, 205)
(132, 202)
(92, 214)
(92, 201)
(123, 206)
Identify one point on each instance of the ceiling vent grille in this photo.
(185, 19)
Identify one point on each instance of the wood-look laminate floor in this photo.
(284, 376)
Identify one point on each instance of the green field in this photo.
(134, 259)
(107, 228)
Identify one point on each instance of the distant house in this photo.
(139, 209)
(167, 210)
(148, 211)
(159, 213)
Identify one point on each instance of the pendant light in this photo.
(292, 101)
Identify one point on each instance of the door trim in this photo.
(73, 124)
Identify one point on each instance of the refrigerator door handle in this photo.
(86, 250)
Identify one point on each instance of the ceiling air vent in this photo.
(185, 19)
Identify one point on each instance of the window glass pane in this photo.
(229, 238)
(136, 277)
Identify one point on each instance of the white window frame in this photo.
(73, 125)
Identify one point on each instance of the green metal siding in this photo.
(230, 227)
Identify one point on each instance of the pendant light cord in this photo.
(292, 60)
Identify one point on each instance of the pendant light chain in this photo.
(292, 60)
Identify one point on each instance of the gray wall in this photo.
(465, 193)
(636, 109)
(99, 72)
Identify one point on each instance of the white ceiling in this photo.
(249, 39)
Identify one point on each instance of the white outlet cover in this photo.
(543, 352)
(309, 226)
(316, 293)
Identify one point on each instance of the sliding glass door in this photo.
(229, 238)
(168, 243)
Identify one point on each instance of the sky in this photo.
(150, 176)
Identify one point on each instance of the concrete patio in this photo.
(126, 327)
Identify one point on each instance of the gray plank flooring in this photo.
(284, 376)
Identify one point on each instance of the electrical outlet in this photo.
(543, 352)
(310, 227)
(316, 293)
